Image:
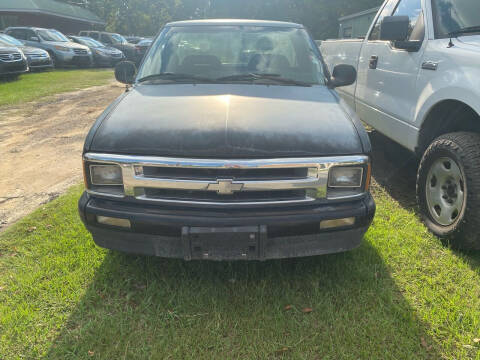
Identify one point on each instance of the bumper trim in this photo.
(180, 245)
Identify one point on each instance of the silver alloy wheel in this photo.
(445, 191)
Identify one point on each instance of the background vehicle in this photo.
(417, 71)
(102, 55)
(12, 62)
(38, 59)
(61, 50)
(134, 39)
(142, 46)
(220, 156)
(115, 40)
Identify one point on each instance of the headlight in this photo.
(345, 177)
(106, 175)
(62, 48)
(101, 178)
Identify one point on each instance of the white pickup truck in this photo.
(419, 84)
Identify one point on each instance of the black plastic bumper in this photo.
(213, 234)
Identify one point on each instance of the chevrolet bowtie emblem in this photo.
(225, 187)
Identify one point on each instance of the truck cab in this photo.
(417, 69)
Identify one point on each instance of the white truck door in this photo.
(386, 90)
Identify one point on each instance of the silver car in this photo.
(61, 49)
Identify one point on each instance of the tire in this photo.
(448, 189)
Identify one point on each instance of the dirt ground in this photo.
(41, 145)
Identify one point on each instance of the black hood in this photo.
(226, 121)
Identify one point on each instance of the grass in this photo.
(401, 295)
(36, 86)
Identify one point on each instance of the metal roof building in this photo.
(49, 14)
(356, 25)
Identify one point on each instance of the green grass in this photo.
(401, 295)
(36, 86)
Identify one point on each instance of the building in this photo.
(48, 14)
(356, 25)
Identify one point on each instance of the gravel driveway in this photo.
(41, 145)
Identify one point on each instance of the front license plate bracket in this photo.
(224, 243)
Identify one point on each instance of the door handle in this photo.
(373, 62)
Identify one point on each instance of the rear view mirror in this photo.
(394, 28)
(125, 72)
(343, 75)
(34, 38)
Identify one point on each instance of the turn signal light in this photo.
(337, 223)
(111, 221)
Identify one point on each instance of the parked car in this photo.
(102, 55)
(115, 40)
(12, 62)
(37, 59)
(62, 51)
(134, 39)
(206, 157)
(417, 84)
(141, 48)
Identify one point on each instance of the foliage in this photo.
(146, 17)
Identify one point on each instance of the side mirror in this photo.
(34, 38)
(125, 72)
(343, 75)
(394, 28)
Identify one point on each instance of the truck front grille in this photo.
(224, 182)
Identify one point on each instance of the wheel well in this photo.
(446, 117)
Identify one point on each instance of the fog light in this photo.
(330, 224)
(105, 220)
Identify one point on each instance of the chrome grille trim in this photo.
(10, 57)
(80, 51)
(135, 181)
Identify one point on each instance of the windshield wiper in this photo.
(262, 76)
(176, 78)
(467, 30)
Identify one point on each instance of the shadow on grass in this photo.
(395, 169)
(143, 307)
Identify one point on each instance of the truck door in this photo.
(386, 91)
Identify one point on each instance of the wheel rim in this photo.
(445, 191)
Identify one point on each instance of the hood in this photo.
(109, 49)
(9, 49)
(472, 40)
(68, 44)
(32, 50)
(227, 121)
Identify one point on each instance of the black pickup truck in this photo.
(230, 144)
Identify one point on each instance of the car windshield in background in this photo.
(455, 16)
(119, 38)
(235, 54)
(91, 42)
(10, 40)
(52, 35)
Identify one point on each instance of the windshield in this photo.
(90, 42)
(216, 52)
(52, 35)
(454, 15)
(10, 40)
(119, 38)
